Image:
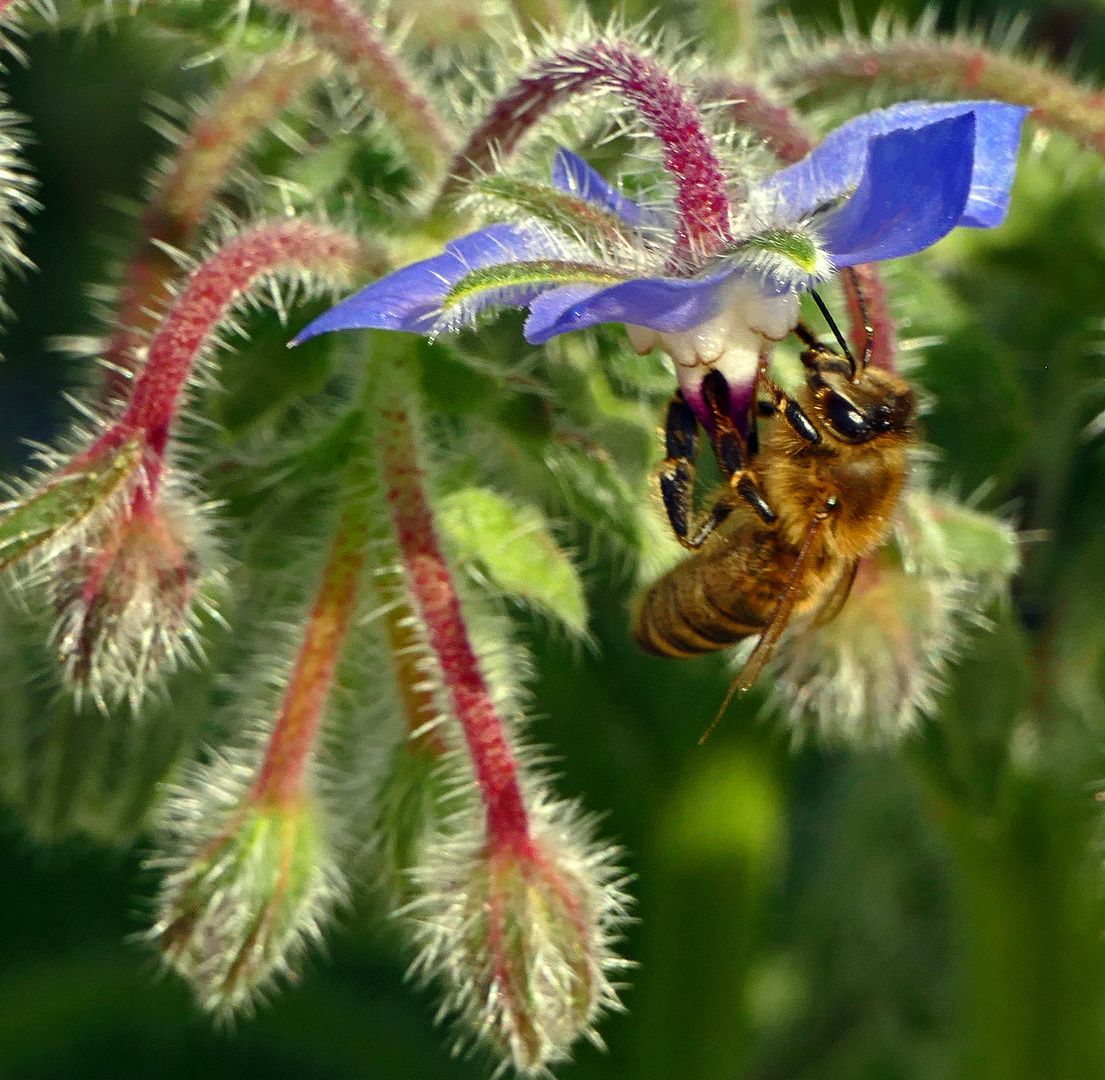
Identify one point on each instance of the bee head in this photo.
(855, 411)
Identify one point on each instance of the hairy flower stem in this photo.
(271, 248)
(884, 338)
(952, 66)
(207, 155)
(290, 748)
(662, 103)
(431, 584)
(342, 28)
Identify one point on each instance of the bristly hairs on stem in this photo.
(185, 195)
(12, 14)
(909, 59)
(120, 563)
(17, 199)
(515, 908)
(582, 66)
(253, 843)
(362, 46)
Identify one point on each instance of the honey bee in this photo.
(809, 492)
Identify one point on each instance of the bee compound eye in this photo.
(846, 419)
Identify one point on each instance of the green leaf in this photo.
(512, 546)
(64, 502)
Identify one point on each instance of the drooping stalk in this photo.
(207, 155)
(346, 31)
(270, 248)
(662, 103)
(953, 66)
(429, 579)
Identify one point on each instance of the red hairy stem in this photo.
(956, 67)
(781, 129)
(343, 29)
(269, 248)
(185, 196)
(431, 584)
(868, 282)
(663, 104)
(293, 739)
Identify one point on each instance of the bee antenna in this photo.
(836, 330)
(733, 687)
(868, 331)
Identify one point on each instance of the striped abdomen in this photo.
(720, 594)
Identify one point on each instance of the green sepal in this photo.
(566, 213)
(64, 502)
(550, 272)
(975, 545)
(513, 547)
(799, 248)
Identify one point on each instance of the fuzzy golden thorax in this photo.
(867, 430)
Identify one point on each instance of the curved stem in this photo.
(269, 248)
(430, 581)
(345, 30)
(207, 155)
(662, 103)
(951, 65)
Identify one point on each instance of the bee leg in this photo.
(731, 451)
(792, 412)
(677, 473)
(677, 477)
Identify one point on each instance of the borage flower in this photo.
(886, 184)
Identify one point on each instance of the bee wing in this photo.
(780, 616)
(837, 598)
(783, 608)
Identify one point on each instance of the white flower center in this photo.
(732, 342)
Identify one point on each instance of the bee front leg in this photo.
(677, 476)
(732, 451)
(793, 413)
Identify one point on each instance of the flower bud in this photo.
(126, 599)
(521, 935)
(240, 901)
(875, 669)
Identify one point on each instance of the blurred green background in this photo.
(930, 913)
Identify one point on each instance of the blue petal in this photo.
(665, 304)
(410, 299)
(572, 174)
(837, 167)
(913, 192)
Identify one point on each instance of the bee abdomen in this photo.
(681, 615)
